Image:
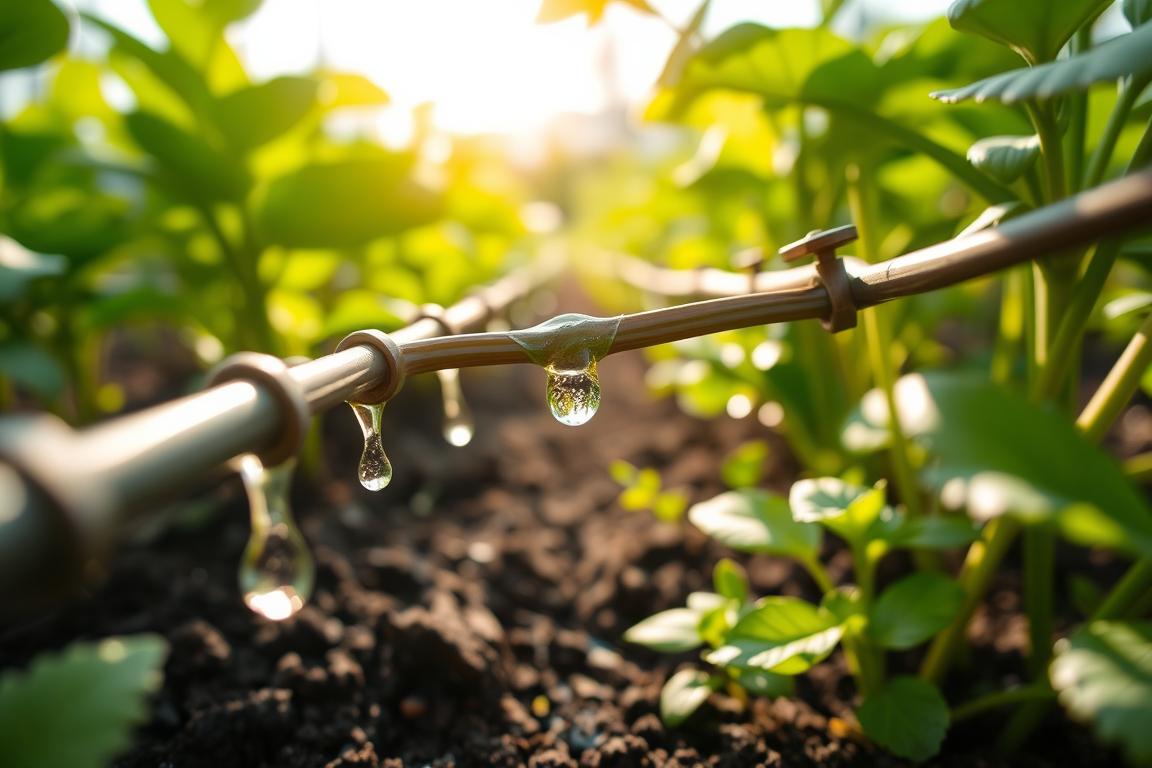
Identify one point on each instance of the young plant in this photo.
(753, 643)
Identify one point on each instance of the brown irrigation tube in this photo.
(65, 495)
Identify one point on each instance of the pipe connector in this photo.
(273, 375)
(383, 345)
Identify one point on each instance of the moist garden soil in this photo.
(471, 614)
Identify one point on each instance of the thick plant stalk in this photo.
(1119, 386)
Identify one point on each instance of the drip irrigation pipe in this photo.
(66, 495)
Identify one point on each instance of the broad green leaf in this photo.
(762, 683)
(192, 167)
(847, 509)
(77, 709)
(914, 609)
(816, 68)
(744, 467)
(169, 67)
(933, 533)
(360, 308)
(994, 452)
(343, 89)
(31, 31)
(257, 114)
(188, 28)
(683, 694)
(785, 635)
(20, 266)
(730, 581)
(1005, 158)
(1103, 674)
(31, 367)
(558, 10)
(1123, 56)
(755, 521)
(344, 204)
(669, 631)
(74, 220)
(1138, 12)
(1036, 29)
(908, 716)
(225, 12)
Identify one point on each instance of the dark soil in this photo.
(471, 614)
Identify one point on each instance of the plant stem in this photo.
(976, 574)
(243, 264)
(1077, 106)
(1051, 149)
(818, 573)
(1119, 386)
(1130, 90)
(1135, 582)
(1139, 468)
(1039, 543)
(998, 699)
(879, 342)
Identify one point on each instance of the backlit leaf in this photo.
(730, 580)
(751, 520)
(1036, 29)
(785, 635)
(256, 114)
(1116, 58)
(76, 709)
(683, 694)
(1103, 673)
(30, 32)
(669, 631)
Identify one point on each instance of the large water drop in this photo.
(375, 470)
(573, 396)
(458, 427)
(276, 572)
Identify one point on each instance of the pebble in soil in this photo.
(568, 348)
(375, 470)
(276, 570)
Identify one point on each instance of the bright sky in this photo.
(486, 65)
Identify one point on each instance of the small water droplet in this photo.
(573, 396)
(458, 427)
(375, 470)
(277, 571)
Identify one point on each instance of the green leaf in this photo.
(1005, 158)
(190, 31)
(1138, 12)
(20, 266)
(785, 635)
(343, 89)
(763, 683)
(258, 114)
(908, 716)
(744, 467)
(31, 31)
(193, 168)
(77, 708)
(683, 694)
(684, 48)
(730, 581)
(669, 631)
(847, 509)
(755, 521)
(1103, 674)
(814, 67)
(169, 67)
(997, 453)
(31, 367)
(914, 609)
(558, 10)
(1123, 56)
(345, 204)
(933, 533)
(1036, 29)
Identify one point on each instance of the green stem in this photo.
(818, 574)
(1135, 582)
(1119, 386)
(1139, 468)
(975, 576)
(1039, 549)
(1130, 90)
(998, 699)
(1051, 149)
(879, 345)
(1010, 338)
(1077, 105)
(244, 267)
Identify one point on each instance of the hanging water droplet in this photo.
(568, 347)
(573, 396)
(458, 427)
(375, 470)
(276, 571)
